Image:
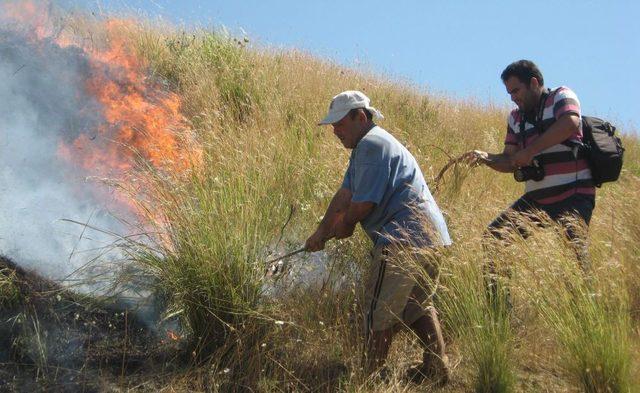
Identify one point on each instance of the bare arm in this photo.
(501, 162)
(340, 219)
(356, 212)
(336, 209)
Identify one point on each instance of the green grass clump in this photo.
(209, 263)
(479, 321)
(597, 343)
(587, 314)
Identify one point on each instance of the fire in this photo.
(36, 14)
(138, 114)
(172, 335)
(141, 119)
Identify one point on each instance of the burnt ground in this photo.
(55, 340)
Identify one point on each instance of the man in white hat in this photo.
(384, 190)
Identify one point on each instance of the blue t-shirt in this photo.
(381, 170)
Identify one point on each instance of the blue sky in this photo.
(454, 47)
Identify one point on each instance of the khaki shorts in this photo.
(396, 289)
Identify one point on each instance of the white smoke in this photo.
(43, 103)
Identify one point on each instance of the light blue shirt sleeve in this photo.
(370, 183)
(370, 174)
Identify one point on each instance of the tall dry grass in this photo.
(254, 112)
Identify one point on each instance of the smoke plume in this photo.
(51, 122)
(44, 105)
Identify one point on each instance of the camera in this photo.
(533, 172)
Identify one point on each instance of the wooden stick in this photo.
(292, 253)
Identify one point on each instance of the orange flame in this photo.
(34, 14)
(140, 116)
(141, 119)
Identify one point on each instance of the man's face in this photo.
(349, 130)
(522, 94)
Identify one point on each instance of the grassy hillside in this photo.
(264, 160)
(255, 112)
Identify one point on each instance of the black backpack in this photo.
(603, 149)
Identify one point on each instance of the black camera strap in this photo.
(537, 121)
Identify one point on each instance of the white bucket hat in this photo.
(344, 102)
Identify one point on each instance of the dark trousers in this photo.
(573, 214)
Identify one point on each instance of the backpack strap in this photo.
(575, 146)
(538, 123)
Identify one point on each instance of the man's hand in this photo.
(315, 242)
(341, 230)
(475, 157)
(498, 162)
(522, 158)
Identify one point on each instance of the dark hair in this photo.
(524, 70)
(354, 112)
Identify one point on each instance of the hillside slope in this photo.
(257, 182)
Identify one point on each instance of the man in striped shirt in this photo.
(546, 130)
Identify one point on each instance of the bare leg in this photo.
(434, 360)
(428, 330)
(378, 345)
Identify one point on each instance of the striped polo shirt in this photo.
(566, 173)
